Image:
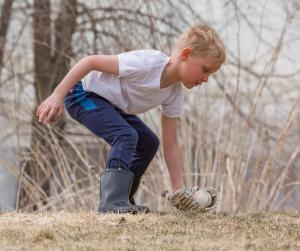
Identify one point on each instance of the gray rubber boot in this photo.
(115, 185)
(135, 185)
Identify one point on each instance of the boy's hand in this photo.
(51, 109)
(184, 199)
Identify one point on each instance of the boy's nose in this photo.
(205, 79)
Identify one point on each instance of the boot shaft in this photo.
(115, 187)
(115, 183)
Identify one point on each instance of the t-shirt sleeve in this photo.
(172, 107)
(132, 66)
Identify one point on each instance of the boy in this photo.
(104, 92)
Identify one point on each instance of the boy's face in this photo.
(195, 70)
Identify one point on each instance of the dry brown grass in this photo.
(158, 231)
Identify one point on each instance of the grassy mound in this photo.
(158, 231)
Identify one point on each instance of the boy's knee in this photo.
(132, 135)
(129, 135)
(154, 143)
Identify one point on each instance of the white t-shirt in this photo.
(137, 89)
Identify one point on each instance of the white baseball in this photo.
(203, 198)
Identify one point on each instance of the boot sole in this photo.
(123, 211)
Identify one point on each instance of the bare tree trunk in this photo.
(51, 64)
(4, 23)
(43, 63)
(64, 29)
(50, 67)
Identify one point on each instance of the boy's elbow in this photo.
(84, 66)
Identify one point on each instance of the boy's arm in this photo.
(172, 151)
(102, 63)
(52, 107)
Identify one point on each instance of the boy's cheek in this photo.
(194, 74)
(190, 74)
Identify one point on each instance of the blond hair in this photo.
(203, 40)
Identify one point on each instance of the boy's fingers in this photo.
(43, 113)
(39, 109)
(51, 114)
(59, 113)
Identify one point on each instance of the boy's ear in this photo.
(186, 52)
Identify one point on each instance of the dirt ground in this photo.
(157, 231)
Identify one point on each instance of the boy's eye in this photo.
(205, 69)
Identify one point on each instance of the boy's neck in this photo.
(170, 74)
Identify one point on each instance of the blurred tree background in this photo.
(240, 133)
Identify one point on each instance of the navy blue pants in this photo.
(133, 144)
